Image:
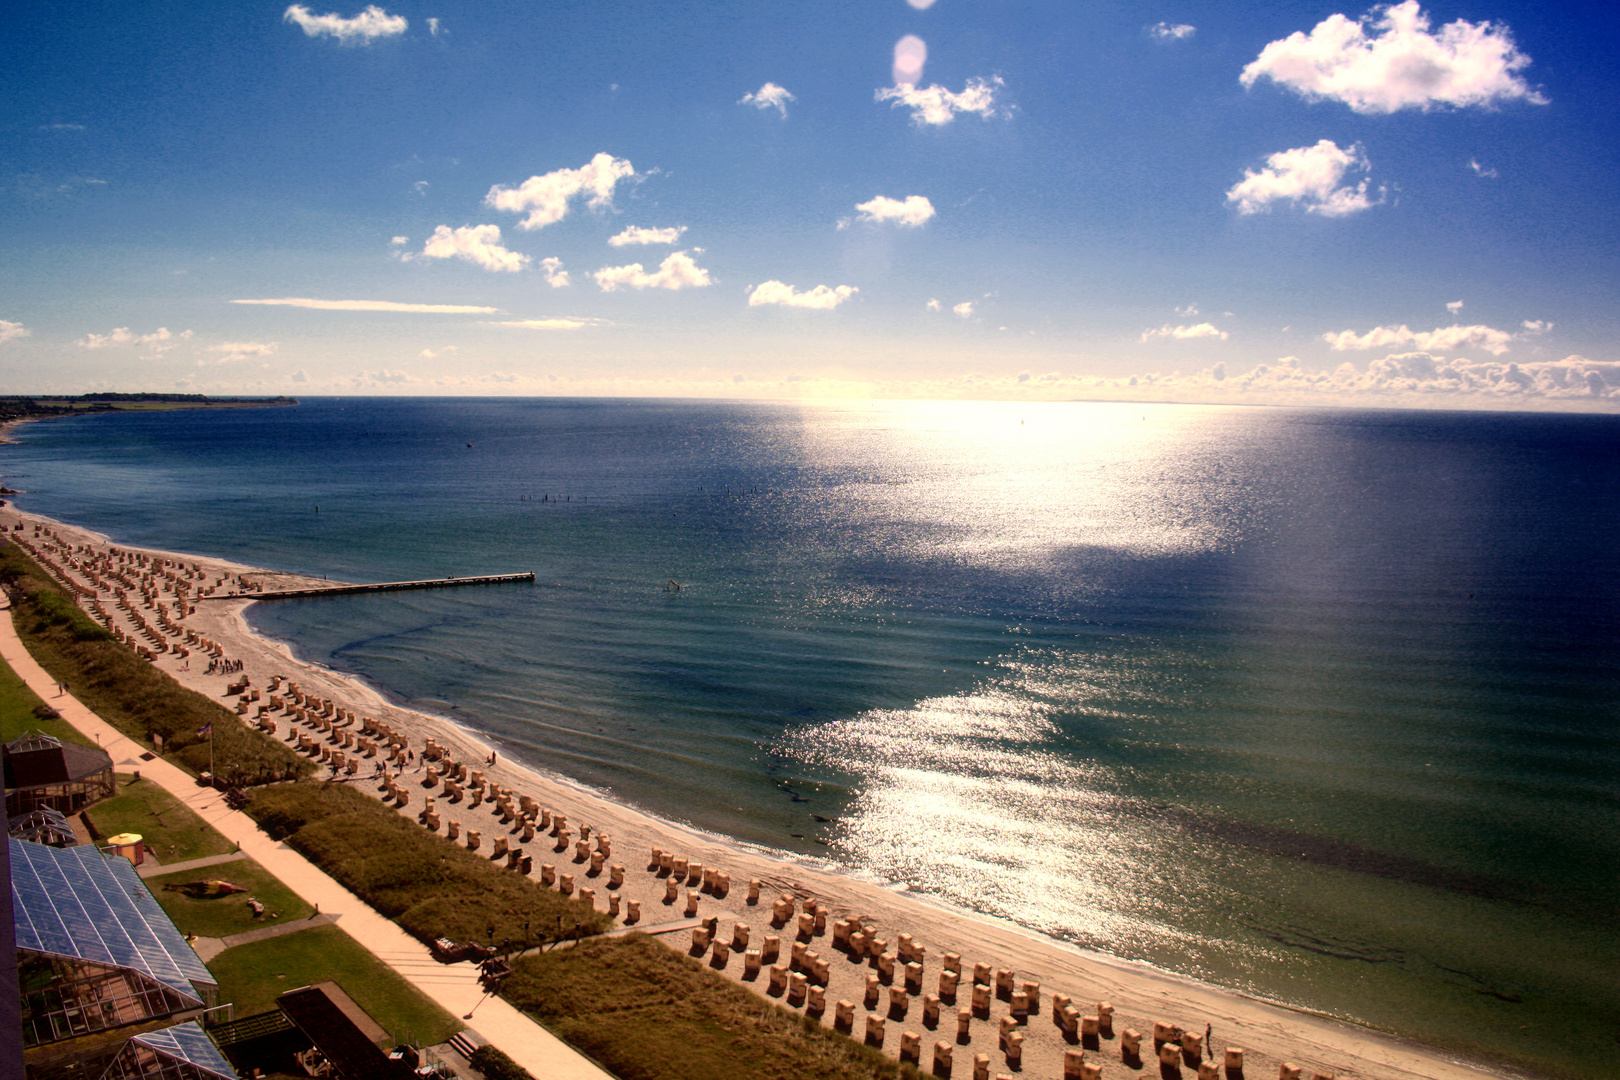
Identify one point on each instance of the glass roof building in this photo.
(181, 1052)
(95, 951)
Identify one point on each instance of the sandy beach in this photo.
(1269, 1035)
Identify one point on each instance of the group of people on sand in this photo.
(224, 667)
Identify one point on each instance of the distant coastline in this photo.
(20, 408)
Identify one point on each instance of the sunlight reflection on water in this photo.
(977, 798)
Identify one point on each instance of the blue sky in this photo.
(1288, 202)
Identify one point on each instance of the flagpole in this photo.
(208, 730)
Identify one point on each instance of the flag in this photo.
(206, 729)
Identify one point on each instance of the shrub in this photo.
(496, 1065)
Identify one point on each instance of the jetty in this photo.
(383, 586)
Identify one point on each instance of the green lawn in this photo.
(253, 976)
(174, 832)
(225, 915)
(17, 715)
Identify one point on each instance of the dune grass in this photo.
(648, 1013)
(429, 885)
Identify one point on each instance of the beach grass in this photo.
(170, 827)
(648, 1013)
(222, 916)
(252, 976)
(22, 711)
(127, 691)
(429, 885)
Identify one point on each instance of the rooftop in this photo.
(79, 904)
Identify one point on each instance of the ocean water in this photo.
(1317, 704)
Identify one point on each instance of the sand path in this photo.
(1269, 1035)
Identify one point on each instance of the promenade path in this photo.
(453, 986)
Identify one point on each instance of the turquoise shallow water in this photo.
(1317, 704)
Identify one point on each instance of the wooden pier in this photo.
(384, 586)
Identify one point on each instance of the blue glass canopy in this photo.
(189, 1043)
(80, 904)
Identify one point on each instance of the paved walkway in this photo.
(210, 947)
(150, 867)
(453, 986)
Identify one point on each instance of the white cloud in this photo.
(156, 343)
(10, 331)
(1182, 333)
(421, 187)
(1398, 66)
(1188, 311)
(1481, 170)
(242, 350)
(820, 298)
(937, 105)
(372, 305)
(964, 309)
(399, 240)
(120, 336)
(1400, 380)
(559, 323)
(1420, 372)
(933, 305)
(433, 27)
(1454, 306)
(912, 211)
(545, 198)
(434, 354)
(1536, 326)
(386, 377)
(634, 234)
(556, 276)
(477, 244)
(1308, 176)
(1415, 377)
(769, 96)
(61, 127)
(361, 29)
(1163, 31)
(677, 271)
(1443, 339)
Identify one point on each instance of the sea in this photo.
(1323, 705)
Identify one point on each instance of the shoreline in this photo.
(1270, 1033)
